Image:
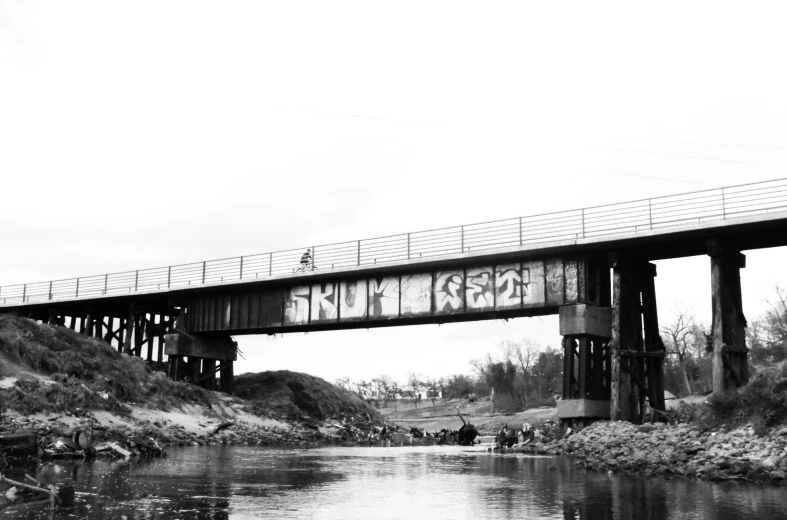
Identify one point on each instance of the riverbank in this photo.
(683, 450)
(80, 396)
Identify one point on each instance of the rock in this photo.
(12, 494)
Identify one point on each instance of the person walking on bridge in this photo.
(306, 260)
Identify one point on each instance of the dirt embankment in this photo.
(57, 383)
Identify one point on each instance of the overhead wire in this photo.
(766, 147)
(688, 156)
(647, 177)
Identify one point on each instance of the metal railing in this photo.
(592, 222)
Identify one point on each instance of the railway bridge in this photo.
(592, 266)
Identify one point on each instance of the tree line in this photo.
(523, 374)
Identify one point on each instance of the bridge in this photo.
(555, 263)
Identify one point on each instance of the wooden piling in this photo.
(195, 369)
(148, 325)
(163, 328)
(615, 342)
(121, 331)
(728, 330)
(227, 377)
(568, 367)
(98, 327)
(139, 333)
(129, 329)
(89, 324)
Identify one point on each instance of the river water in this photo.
(221, 482)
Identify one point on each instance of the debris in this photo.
(222, 425)
(120, 450)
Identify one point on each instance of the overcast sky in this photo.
(147, 133)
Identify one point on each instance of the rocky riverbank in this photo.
(682, 450)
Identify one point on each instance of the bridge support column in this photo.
(586, 329)
(98, 327)
(227, 378)
(637, 353)
(728, 331)
(586, 387)
(89, 325)
(204, 353)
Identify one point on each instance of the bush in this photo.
(764, 397)
(78, 366)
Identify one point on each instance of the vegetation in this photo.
(83, 372)
(295, 394)
(688, 366)
(762, 402)
(522, 375)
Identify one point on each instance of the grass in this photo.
(295, 394)
(81, 372)
(762, 402)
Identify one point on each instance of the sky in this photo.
(143, 134)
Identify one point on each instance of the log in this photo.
(118, 449)
(222, 425)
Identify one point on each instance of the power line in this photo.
(703, 144)
(688, 156)
(647, 177)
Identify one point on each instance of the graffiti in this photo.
(529, 284)
(554, 288)
(571, 281)
(324, 304)
(271, 309)
(384, 297)
(533, 283)
(416, 294)
(448, 289)
(296, 306)
(508, 283)
(352, 301)
(478, 292)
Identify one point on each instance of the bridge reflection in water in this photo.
(221, 483)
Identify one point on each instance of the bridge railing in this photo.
(615, 219)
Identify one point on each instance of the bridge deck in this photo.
(752, 216)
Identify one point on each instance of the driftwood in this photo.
(120, 450)
(221, 426)
(53, 498)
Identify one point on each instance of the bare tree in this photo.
(382, 383)
(344, 383)
(776, 325)
(414, 381)
(432, 385)
(682, 340)
(362, 389)
(394, 391)
(524, 355)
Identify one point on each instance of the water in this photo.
(220, 482)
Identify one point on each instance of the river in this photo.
(218, 482)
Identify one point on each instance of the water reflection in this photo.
(221, 483)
